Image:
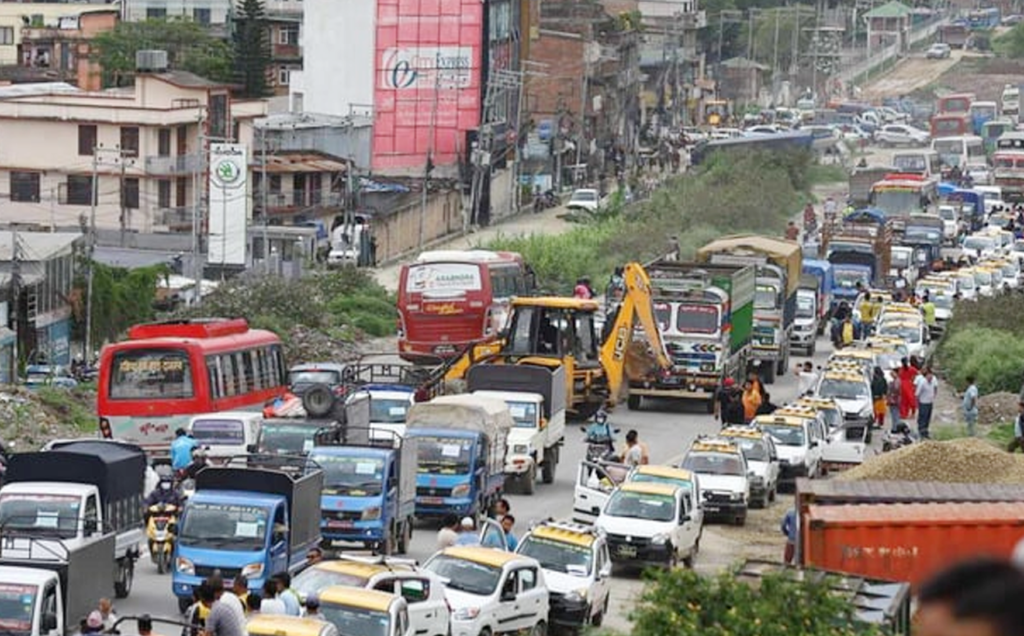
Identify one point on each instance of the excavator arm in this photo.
(636, 306)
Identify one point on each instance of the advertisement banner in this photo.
(427, 81)
(229, 203)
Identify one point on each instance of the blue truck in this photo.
(253, 521)
(822, 270)
(461, 445)
(369, 493)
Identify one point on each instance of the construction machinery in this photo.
(554, 331)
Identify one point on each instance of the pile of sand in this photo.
(956, 461)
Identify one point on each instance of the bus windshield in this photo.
(139, 374)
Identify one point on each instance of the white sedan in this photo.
(900, 135)
(586, 199)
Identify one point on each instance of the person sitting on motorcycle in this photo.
(165, 494)
(198, 463)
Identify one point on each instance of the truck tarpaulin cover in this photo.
(865, 215)
(118, 470)
(302, 493)
(521, 379)
(465, 412)
(785, 254)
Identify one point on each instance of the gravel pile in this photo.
(996, 408)
(26, 424)
(955, 461)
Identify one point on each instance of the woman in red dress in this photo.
(908, 393)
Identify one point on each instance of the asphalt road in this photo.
(667, 428)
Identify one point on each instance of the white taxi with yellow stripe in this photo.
(852, 392)
(649, 523)
(799, 434)
(492, 591)
(724, 478)
(762, 460)
(353, 610)
(577, 568)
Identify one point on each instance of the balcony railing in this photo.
(176, 165)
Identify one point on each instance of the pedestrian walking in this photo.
(908, 400)
(970, 405)
(449, 532)
(1018, 430)
(879, 394)
(894, 397)
(806, 378)
(673, 249)
(788, 528)
(925, 388)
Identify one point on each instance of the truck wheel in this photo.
(125, 576)
(598, 618)
(780, 366)
(633, 402)
(741, 519)
(550, 464)
(769, 374)
(529, 481)
(404, 536)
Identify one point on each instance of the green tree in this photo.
(1013, 42)
(120, 298)
(684, 603)
(189, 48)
(252, 48)
(766, 44)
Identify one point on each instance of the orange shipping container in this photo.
(908, 542)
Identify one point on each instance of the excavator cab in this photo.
(553, 328)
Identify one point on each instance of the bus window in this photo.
(150, 373)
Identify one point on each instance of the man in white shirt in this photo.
(926, 385)
(270, 603)
(807, 378)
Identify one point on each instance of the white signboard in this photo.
(229, 203)
(444, 277)
(427, 67)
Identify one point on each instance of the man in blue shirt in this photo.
(511, 542)
(789, 529)
(181, 450)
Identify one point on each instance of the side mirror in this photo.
(172, 528)
(48, 622)
(583, 429)
(814, 444)
(683, 518)
(616, 430)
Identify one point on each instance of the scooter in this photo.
(600, 439)
(899, 437)
(162, 518)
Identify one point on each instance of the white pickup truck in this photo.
(536, 400)
(54, 501)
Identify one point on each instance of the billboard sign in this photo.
(229, 203)
(427, 86)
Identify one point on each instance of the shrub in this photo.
(683, 603)
(993, 356)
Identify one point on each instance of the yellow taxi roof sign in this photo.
(649, 488)
(817, 404)
(741, 431)
(564, 535)
(715, 446)
(483, 556)
(345, 595)
(843, 375)
(280, 625)
(352, 568)
(666, 472)
(794, 418)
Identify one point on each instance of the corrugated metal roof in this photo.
(951, 513)
(36, 246)
(301, 162)
(838, 492)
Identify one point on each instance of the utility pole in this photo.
(92, 251)
(428, 165)
(775, 58)
(53, 210)
(120, 189)
(15, 304)
(264, 198)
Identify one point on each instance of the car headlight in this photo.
(461, 490)
(867, 412)
(466, 613)
(253, 571)
(660, 539)
(735, 496)
(371, 513)
(707, 366)
(577, 596)
(521, 449)
(184, 566)
(756, 479)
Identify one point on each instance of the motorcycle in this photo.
(161, 520)
(899, 437)
(600, 439)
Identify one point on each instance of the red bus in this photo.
(951, 125)
(449, 299)
(164, 373)
(956, 103)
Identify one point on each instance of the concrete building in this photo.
(148, 141)
(41, 318)
(15, 15)
(60, 51)
(285, 48)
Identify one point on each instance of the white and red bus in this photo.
(164, 373)
(449, 299)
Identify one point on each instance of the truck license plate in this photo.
(432, 501)
(712, 509)
(627, 551)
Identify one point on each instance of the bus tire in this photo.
(318, 400)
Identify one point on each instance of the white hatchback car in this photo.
(649, 523)
(901, 135)
(586, 199)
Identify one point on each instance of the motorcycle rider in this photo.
(198, 463)
(164, 494)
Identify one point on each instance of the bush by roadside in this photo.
(318, 317)
(729, 194)
(985, 339)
